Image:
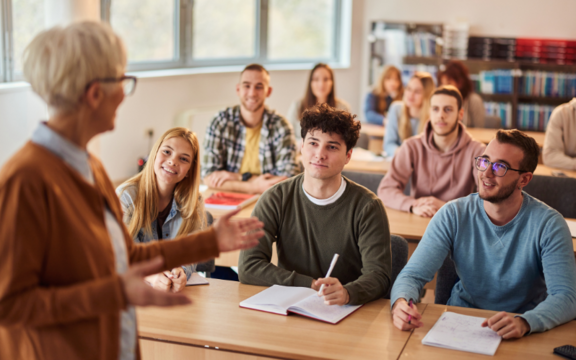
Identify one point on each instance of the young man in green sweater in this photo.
(319, 213)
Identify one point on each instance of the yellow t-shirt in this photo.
(250, 161)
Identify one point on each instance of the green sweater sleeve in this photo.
(374, 246)
(254, 265)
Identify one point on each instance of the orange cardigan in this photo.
(60, 296)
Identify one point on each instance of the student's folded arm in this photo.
(560, 274)
(391, 188)
(285, 150)
(254, 266)
(238, 186)
(374, 247)
(553, 153)
(26, 298)
(429, 256)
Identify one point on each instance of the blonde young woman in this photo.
(387, 89)
(408, 117)
(71, 273)
(163, 201)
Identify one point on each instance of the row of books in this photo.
(494, 82)
(552, 84)
(533, 50)
(421, 44)
(501, 110)
(488, 48)
(533, 116)
(409, 70)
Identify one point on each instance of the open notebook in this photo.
(299, 300)
(464, 333)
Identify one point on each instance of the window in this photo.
(194, 33)
(21, 20)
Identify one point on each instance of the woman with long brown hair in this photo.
(456, 74)
(387, 89)
(408, 117)
(164, 202)
(320, 90)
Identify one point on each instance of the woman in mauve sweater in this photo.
(71, 273)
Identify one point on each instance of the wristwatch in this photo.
(246, 176)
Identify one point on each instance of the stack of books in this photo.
(546, 51)
(551, 84)
(533, 116)
(421, 44)
(455, 41)
(495, 82)
(501, 110)
(491, 48)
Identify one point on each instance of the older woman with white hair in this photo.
(67, 290)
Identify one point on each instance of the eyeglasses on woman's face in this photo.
(498, 169)
(128, 83)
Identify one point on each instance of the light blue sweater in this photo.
(392, 139)
(526, 266)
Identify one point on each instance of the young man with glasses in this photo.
(436, 161)
(512, 252)
(248, 147)
(316, 214)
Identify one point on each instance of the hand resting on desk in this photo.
(427, 206)
(400, 316)
(507, 326)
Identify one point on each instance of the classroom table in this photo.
(486, 135)
(535, 346)
(215, 327)
(375, 136)
(383, 166)
(483, 135)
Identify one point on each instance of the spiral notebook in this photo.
(283, 300)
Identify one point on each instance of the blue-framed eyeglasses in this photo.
(499, 169)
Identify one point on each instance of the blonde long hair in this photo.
(186, 192)
(380, 91)
(404, 126)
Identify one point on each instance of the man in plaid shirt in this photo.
(248, 148)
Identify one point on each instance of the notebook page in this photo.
(572, 227)
(277, 298)
(313, 306)
(464, 333)
(196, 279)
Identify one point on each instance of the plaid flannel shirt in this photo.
(225, 144)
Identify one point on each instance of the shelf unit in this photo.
(475, 66)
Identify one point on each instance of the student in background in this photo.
(512, 252)
(320, 90)
(248, 147)
(560, 141)
(408, 117)
(164, 201)
(437, 161)
(318, 213)
(71, 274)
(457, 74)
(387, 89)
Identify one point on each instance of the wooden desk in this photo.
(372, 130)
(379, 167)
(486, 135)
(535, 346)
(542, 169)
(215, 327)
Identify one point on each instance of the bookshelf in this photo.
(532, 89)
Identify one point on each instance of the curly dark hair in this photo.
(331, 120)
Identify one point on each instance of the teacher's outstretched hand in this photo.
(237, 234)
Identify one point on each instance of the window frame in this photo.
(6, 42)
(184, 50)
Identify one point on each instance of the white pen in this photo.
(332, 264)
